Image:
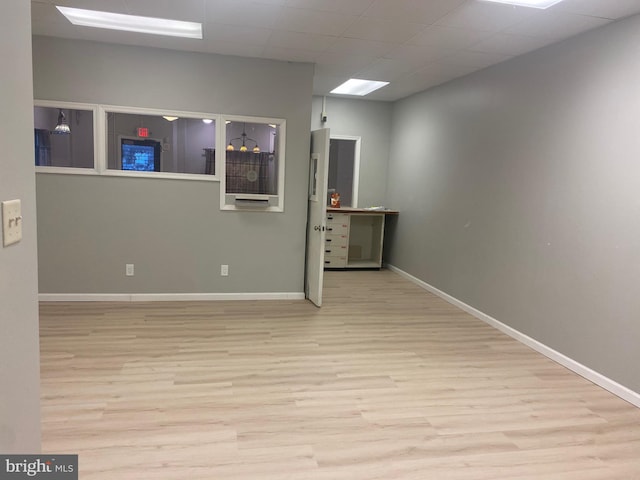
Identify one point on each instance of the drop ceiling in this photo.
(414, 44)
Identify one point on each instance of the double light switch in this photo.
(11, 222)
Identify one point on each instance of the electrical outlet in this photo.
(129, 270)
(224, 270)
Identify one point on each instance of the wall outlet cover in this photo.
(11, 222)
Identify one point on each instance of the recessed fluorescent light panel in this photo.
(528, 3)
(357, 86)
(132, 23)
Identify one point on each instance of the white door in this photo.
(317, 214)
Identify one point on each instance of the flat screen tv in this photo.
(140, 155)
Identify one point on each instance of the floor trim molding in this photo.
(591, 375)
(166, 297)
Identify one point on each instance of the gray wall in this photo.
(172, 230)
(521, 195)
(370, 120)
(19, 350)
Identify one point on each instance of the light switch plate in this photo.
(11, 222)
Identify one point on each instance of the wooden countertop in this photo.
(361, 210)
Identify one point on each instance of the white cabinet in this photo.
(337, 240)
(354, 239)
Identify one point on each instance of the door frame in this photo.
(356, 165)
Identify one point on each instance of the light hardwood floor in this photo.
(386, 381)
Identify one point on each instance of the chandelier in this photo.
(245, 139)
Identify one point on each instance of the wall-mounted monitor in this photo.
(140, 155)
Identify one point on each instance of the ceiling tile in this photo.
(348, 7)
(430, 76)
(341, 64)
(414, 44)
(214, 33)
(394, 91)
(290, 54)
(419, 11)
(474, 60)
(489, 17)
(555, 25)
(301, 41)
(509, 44)
(190, 10)
(272, 2)
(436, 72)
(313, 21)
(377, 29)
(242, 13)
(448, 38)
(117, 6)
(234, 48)
(356, 47)
(385, 70)
(324, 83)
(415, 56)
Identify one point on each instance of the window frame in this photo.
(222, 166)
(104, 167)
(96, 152)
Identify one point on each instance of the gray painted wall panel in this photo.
(172, 230)
(367, 119)
(19, 346)
(521, 199)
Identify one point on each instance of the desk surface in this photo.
(361, 210)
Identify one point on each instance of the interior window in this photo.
(254, 163)
(144, 143)
(63, 137)
(250, 167)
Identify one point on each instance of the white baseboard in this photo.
(166, 297)
(591, 375)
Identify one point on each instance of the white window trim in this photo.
(103, 167)
(96, 153)
(100, 135)
(282, 141)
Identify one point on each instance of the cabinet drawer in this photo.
(337, 228)
(335, 262)
(337, 218)
(336, 240)
(335, 250)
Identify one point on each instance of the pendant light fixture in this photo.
(244, 138)
(62, 127)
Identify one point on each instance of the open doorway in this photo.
(344, 169)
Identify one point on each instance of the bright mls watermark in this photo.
(51, 467)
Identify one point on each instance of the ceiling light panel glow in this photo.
(132, 23)
(357, 86)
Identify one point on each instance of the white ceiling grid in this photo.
(414, 44)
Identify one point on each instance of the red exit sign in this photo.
(143, 132)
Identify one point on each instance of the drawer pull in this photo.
(329, 229)
(328, 239)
